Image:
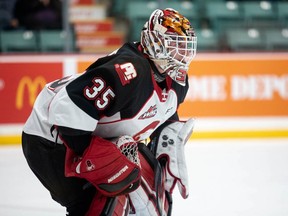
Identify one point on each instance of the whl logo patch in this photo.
(151, 112)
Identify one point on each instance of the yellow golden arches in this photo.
(32, 85)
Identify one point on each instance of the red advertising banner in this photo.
(20, 83)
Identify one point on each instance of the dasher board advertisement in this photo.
(250, 86)
(20, 83)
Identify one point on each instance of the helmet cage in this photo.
(170, 48)
(172, 53)
(180, 49)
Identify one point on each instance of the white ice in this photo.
(227, 177)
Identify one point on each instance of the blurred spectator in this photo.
(38, 14)
(6, 11)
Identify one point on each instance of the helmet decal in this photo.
(176, 22)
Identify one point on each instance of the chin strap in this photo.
(177, 72)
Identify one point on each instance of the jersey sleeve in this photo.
(64, 112)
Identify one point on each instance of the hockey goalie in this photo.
(108, 141)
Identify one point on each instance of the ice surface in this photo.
(227, 177)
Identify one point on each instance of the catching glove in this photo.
(170, 152)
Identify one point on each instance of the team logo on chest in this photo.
(151, 112)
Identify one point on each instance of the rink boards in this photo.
(230, 95)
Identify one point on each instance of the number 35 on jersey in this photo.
(100, 93)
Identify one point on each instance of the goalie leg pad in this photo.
(105, 167)
(150, 198)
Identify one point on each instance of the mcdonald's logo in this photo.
(32, 85)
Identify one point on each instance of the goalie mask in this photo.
(170, 42)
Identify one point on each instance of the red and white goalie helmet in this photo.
(169, 40)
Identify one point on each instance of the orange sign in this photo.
(83, 65)
(237, 87)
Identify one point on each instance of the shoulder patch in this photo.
(126, 72)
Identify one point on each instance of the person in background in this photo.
(37, 14)
(6, 14)
(109, 141)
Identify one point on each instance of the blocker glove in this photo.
(106, 166)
